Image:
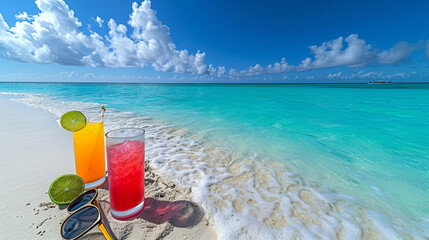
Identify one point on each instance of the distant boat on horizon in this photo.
(379, 82)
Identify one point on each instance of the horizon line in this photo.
(211, 83)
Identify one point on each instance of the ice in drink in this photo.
(125, 163)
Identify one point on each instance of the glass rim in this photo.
(142, 132)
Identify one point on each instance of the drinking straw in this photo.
(102, 111)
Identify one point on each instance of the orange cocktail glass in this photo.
(89, 154)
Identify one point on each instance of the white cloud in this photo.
(71, 75)
(332, 54)
(351, 52)
(234, 74)
(278, 67)
(397, 53)
(211, 70)
(50, 37)
(368, 75)
(99, 21)
(335, 75)
(23, 16)
(402, 75)
(361, 75)
(89, 75)
(219, 72)
(53, 36)
(252, 70)
(3, 24)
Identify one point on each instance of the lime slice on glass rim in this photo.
(66, 188)
(73, 121)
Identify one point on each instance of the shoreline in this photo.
(279, 204)
(38, 151)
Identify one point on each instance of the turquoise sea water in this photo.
(367, 141)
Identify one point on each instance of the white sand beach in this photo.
(34, 151)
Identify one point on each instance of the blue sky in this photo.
(214, 41)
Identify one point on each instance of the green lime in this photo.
(66, 188)
(73, 121)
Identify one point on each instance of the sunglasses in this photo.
(84, 215)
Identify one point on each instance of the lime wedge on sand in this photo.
(66, 188)
(73, 121)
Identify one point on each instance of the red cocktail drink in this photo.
(125, 162)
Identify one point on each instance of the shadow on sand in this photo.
(182, 213)
(178, 213)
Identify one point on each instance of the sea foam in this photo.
(246, 195)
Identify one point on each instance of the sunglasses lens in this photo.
(81, 200)
(79, 222)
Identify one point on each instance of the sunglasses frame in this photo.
(92, 203)
(86, 204)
